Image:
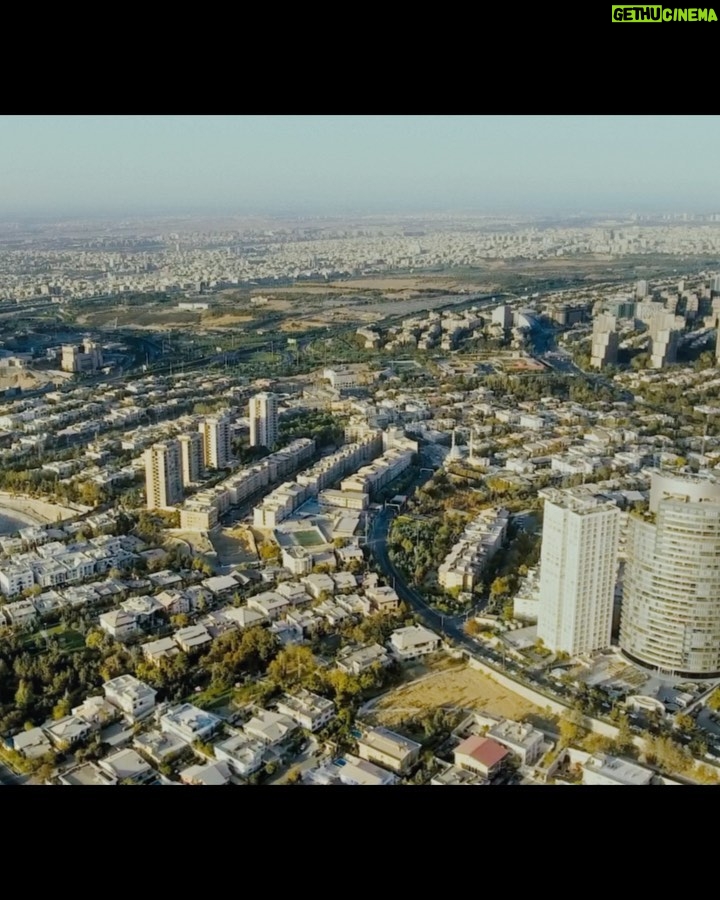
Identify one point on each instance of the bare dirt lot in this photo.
(456, 686)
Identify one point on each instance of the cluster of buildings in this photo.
(462, 568)
(669, 584)
(197, 261)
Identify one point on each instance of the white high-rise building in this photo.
(263, 420)
(578, 563)
(216, 434)
(671, 587)
(163, 475)
(192, 451)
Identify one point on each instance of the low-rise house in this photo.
(269, 604)
(345, 581)
(448, 774)
(383, 598)
(331, 611)
(97, 712)
(357, 660)
(388, 749)
(127, 766)
(521, 739)
(174, 602)
(210, 773)
(68, 731)
(481, 754)
(286, 632)
(269, 728)
(145, 609)
(601, 768)
(32, 744)
(154, 651)
(20, 613)
(318, 584)
(220, 585)
(243, 617)
(192, 638)
(120, 625)
(243, 754)
(132, 697)
(189, 723)
(159, 746)
(413, 642)
(309, 710)
(294, 592)
(89, 775)
(350, 770)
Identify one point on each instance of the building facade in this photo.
(671, 590)
(263, 420)
(578, 563)
(192, 451)
(216, 435)
(163, 475)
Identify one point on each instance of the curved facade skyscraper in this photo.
(671, 592)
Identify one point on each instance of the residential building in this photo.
(192, 454)
(206, 774)
(242, 753)
(132, 696)
(127, 766)
(163, 475)
(309, 710)
(388, 749)
(413, 642)
(216, 434)
(269, 728)
(189, 723)
(605, 342)
(578, 563)
(481, 754)
(350, 770)
(604, 769)
(264, 420)
(671, 588)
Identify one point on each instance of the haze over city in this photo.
(310, 165)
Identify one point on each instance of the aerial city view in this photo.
(359, 450)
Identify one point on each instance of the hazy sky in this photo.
(69, 165)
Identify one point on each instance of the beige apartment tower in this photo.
(263, 420)
(163, 475)
(192, 451)
(604, 349)
(216, 435)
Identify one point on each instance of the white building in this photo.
(263, 420)
(163, 475)
(132, 696)
(671, 589)
(413, 642)
(577, 572)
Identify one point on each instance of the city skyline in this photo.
(71, 166)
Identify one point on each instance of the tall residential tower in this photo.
(163, 475)
(578, 563)
(263, 420)
(671, 591)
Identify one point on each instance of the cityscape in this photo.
(360, 497)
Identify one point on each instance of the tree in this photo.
(292, 667)
(571, 727)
